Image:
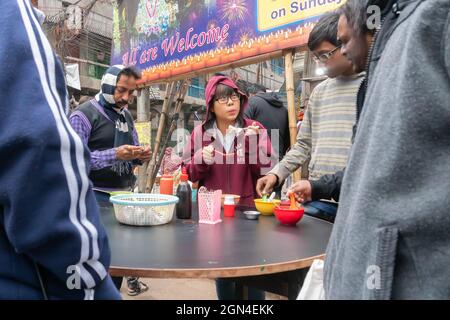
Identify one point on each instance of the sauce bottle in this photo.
(229, 206)
(184, 193)
(166, 184)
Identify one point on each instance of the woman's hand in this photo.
(252, 130)
(208, 155)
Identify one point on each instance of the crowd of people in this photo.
(375, 134)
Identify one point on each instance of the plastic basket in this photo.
(209, 206)
(144, 209)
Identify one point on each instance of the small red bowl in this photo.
(288, 216)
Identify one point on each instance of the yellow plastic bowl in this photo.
(266, 208)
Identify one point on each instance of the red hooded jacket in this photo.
(235, 172)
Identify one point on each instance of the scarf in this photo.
(123, 132)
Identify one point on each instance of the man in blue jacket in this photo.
(52, 243)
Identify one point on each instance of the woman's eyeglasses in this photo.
(224, 99)
(326, 56)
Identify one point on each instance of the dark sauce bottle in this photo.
(184, 193)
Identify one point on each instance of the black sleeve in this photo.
(327, 187)
(250, 111)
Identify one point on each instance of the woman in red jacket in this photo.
(228, 153)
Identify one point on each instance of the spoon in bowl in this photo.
(293, 202)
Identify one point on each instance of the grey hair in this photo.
(355, 11)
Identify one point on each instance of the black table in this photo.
(235, 248)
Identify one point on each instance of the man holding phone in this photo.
(106, 126)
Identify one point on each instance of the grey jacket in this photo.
(391, 238)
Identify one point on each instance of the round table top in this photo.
(236, 247)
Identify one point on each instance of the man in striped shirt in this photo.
(326, 132)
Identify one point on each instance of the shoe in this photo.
(136, 287)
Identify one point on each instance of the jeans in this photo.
(226, 290)
(322, 210)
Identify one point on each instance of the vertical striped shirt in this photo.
(326, 131)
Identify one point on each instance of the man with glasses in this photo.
(106, 126)
(326, 132)
(324, 57)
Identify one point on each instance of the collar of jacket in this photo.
(393, 15)
(394, 12)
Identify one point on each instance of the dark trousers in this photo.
(117, 282)
(226, 290)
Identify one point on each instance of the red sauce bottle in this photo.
(166, 184)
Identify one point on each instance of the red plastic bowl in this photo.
(288, 216)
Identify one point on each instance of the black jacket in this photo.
(268, 109)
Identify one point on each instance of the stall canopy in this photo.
(167, 38)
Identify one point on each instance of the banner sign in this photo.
(144, 131)
(167, 38)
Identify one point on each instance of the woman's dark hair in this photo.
(223, 91)
(324, 30)
(226, 91)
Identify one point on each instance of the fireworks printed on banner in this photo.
(212, 24)
(244, 35)
(233, 11)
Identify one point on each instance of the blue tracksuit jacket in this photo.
(48, 212)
